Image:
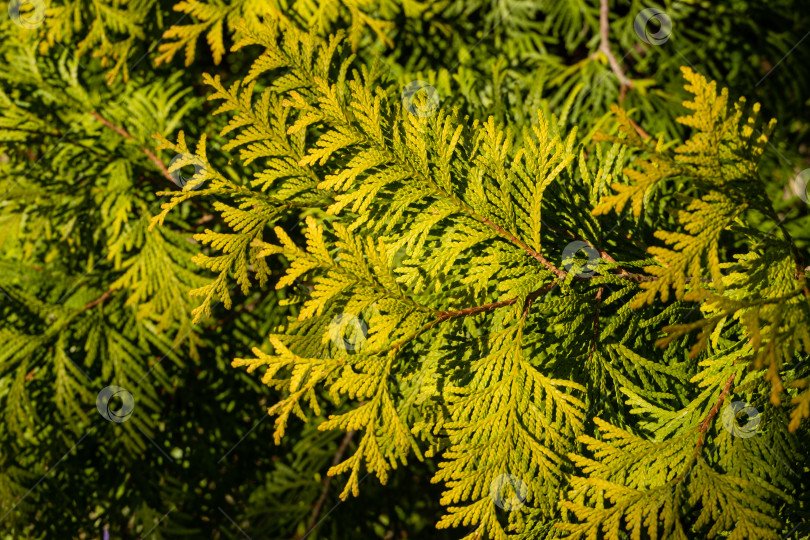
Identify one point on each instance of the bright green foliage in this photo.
(443, 235)
(721, 157)
(215, 19)
(89, 297)
(398, 259)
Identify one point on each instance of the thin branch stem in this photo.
(604, 46)
(638, 128)
(704, 426)
(637, 278)
(327, 481)
(125, 134)
(469, 312)
(100, 300)
(517, 241)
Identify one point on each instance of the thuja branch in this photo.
(515, 240)
(704, 426)
(469, 312)
(798, 259)
(475, 310)
(637, 278)
(100, 300)
(604, 46)
(125, 134)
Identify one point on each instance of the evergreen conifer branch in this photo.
(347, 139)
(151, 155)
(362, 153)
(463, 264)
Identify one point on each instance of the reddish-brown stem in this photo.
(517, 241)
(638, 128)
(101, 299)
(637, 278)
(471, 311)
(475, 310)
(530, 299)
(121, 131)
(704, 426)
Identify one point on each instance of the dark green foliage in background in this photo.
(92, 296)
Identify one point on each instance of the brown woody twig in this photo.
(125, 134)
(704, 426)
(100, 300)
(604, 47)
